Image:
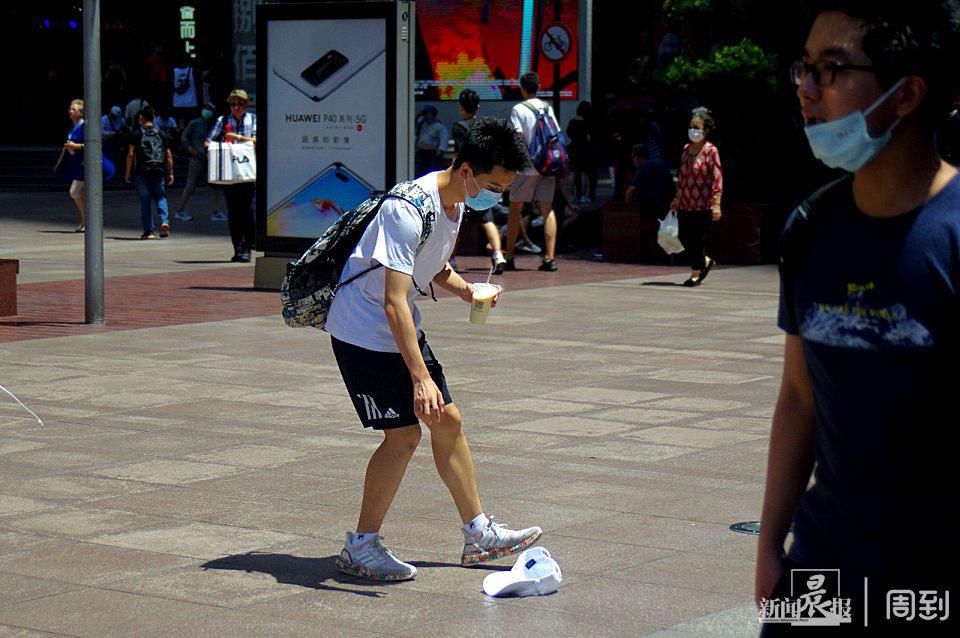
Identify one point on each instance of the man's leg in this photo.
(493, 236)
(384, 473)
(159, 187)
(483, 540)
(513, 227)
(143, 196)
(194, 168)
(549, 229)
(451, 454)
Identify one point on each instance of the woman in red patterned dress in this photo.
(699, 189)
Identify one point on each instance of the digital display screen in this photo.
(486, 45)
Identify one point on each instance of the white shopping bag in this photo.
(669, 234)
(231, 163)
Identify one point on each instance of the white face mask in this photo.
(695, 135)
(845, 142)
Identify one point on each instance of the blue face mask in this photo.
(206, 114)
(482, 200)
(846, 143)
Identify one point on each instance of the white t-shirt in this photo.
(183, 78)
(356, 314)
(524, 120)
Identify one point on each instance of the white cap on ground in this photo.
(534, 574)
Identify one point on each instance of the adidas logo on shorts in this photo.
(373, 412)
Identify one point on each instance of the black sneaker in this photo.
(245, 256)
(548, 265)
(509, 265)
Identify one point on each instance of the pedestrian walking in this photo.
(530, 186)
(150, 169)
(392, 375)
(469, 106)
(70, 164)
(870, 303)
(583, 157)
(699, 190)
(431, 143)
(192, 140)
(238, 125)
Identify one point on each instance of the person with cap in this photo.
(431, 142)
(391, 374)
(243, 128)
(192, 139)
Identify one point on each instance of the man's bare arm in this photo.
(789, 463)
(427, 398)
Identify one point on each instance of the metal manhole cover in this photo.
(746, 527)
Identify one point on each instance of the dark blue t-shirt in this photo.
(653, 186)
(877, 304)
(73, 162)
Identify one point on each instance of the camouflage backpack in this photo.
(312, 282)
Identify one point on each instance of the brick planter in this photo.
(8, 286)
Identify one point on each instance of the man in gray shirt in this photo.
(192, 138)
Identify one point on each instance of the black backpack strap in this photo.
(801, 231)
(427, 229)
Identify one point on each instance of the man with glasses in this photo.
(870, 302)
(390, 372)
(242, 128)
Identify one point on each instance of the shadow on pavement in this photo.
(295, 570)
(204, 261)
(661, 283)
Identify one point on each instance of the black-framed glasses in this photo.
(236, 103)
(824, 73)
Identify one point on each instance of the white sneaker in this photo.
(499, 262)
(374, 561)
(218, 216)
(496, 541)
(528, 247)
(182, 216)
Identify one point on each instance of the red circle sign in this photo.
(555, 41)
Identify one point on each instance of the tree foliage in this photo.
(727, 66)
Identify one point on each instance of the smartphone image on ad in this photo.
(321, 77)
(316, 205)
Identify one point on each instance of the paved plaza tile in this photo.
(201, 461)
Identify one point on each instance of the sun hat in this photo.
(240, 94)
(534, 574)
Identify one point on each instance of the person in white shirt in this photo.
(530, 186)
(390, 372)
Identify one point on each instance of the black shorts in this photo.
(380, 386)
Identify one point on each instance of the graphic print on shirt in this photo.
(864, 323)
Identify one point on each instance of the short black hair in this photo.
(469, 100)
(530, 82)
(704, 114)
(493, 142)
(147, 113)
(919, 37)
(583, 109)
(641, 151)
